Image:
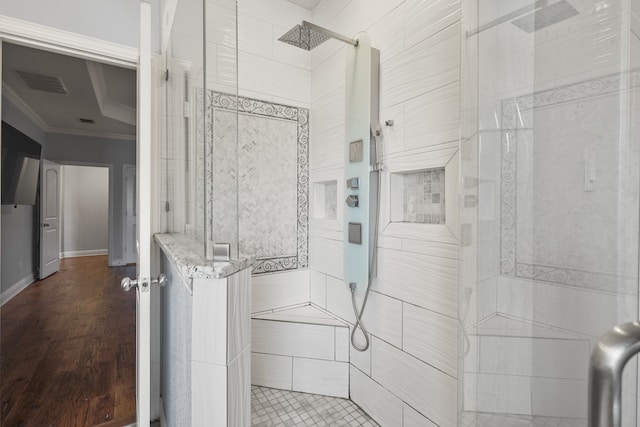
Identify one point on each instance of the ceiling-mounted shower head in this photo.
(545, 16)
(308, 36)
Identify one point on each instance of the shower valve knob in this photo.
(352, 201)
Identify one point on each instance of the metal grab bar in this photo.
(608, 359)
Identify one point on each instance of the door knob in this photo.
(45, 224)
(126, 284)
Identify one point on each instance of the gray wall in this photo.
(73, 149)
(18, 246)
(113, 20)
(18, 260)
(85, 207)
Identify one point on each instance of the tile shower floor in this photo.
(271, 407)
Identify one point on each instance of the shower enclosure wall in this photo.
(550, 189)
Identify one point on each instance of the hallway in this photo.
(67, 350)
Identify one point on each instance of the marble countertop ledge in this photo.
(184, 253)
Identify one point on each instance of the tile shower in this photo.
(503, 254)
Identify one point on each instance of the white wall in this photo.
(85, 210)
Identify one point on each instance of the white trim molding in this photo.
(90, 252)
(17, 287)
(64, 42)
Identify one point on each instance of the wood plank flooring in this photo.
(67, 349)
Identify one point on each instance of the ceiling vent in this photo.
(88, 121)
(52, 84)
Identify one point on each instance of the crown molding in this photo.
(76, 132)
(108, 107)
(15, 99)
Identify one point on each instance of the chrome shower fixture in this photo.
(308, 36)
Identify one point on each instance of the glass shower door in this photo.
(550, 165)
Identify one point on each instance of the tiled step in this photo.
(300, 349)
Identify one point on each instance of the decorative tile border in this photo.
(511, 109)
(217, 100)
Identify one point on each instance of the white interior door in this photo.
(143, 166)
(49, 218)
(130, 215)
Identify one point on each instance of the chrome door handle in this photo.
(611, 353)
(126, 284)
(44, 224)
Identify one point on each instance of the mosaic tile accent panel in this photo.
(272, 157)
(512, 110)
(267, 164)
(423, 198)
(271, 407)
(331, 200)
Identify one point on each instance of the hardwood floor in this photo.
(67, 349)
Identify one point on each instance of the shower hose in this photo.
(352, 286)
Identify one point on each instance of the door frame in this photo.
(111, 201)
(30, 34)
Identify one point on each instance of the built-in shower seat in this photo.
(301, 348)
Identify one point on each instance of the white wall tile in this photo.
(424, 19)
(342, 344)
(339, 299)
(292, 339)
(272, 77)
(239, 313)
(387, 35)
(281, 13)
(501, 393)
(318, 288)
(360, 359)
(433, 118)
(431, 337)
(209, 320)
(383, 318)
(326, 256)
(208, 394)
(413, 418)
(239, 390)
(427, 66)
(540, 357)
(375, 400)
(255, 36)
(269, 291)
(321, 377)
(270, 370)
(422, 280)
(422, 386)
(559, 398)
(436, 249)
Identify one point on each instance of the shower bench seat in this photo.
(300, 348)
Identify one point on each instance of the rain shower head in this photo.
(532, 17)
(308, 36)
(545, 16)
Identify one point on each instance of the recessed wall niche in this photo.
(418, 196)
(325, 200)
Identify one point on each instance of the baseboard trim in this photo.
(18, 287)
(91, 252)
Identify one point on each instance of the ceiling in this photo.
(307, 4)
(103, 93)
